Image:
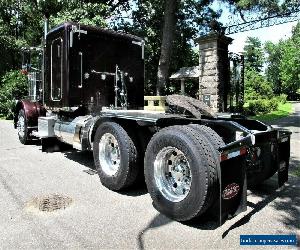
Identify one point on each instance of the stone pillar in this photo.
(214, 70)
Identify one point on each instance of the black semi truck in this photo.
(91, 96)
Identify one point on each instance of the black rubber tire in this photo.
(201, 106)
(184, 104)
(129, 169)
(213, 137)
(199, 153)
(24, 139)
(179, 104)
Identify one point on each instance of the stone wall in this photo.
(214, 70)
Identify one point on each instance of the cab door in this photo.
(77, 66)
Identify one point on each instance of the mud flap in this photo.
(283, 157)
(233, 188)
(283, 173)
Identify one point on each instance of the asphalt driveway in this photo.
(99, 218)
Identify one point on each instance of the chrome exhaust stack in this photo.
(46, 25)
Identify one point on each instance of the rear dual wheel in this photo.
(181, 172)
(180, 167)
(115, 156)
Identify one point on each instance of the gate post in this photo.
(214, 70)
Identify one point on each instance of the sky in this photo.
(272, 33)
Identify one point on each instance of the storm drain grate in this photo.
(52, 202)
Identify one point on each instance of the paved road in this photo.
(293, 123)
(99, 218)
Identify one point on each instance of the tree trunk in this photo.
(166, 45)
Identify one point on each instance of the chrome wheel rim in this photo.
(172, 174)
(21, 126)
(109, 154)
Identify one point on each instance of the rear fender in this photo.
(32, 112)
(275, 153)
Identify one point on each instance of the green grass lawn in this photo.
(284, 109)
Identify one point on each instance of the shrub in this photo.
(273, 103)
(13, 86)
(257, 106)
(262, 106)
(281, 98)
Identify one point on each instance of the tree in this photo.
(166, 45)
(13, 86)
(21, 25)
(192, 18)
(21, 21)
(256, 84)
(243, 7)
(283, 64)
(273, 60)
(88, 13)
(290, 64)
(254, 55)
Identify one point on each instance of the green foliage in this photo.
(262, 7)
(85, 13)
(256, 86)
(254, 56)
(266, 92)
(263, 106)
(281, 98)
(259, 94)
(9, 49)
(258, 91)
(193, 17)
(284, 109)
(284, 64)
(21, 24)
(13, 86)
(290, 64)
(273, 60)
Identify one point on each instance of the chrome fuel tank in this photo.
(74, 132)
